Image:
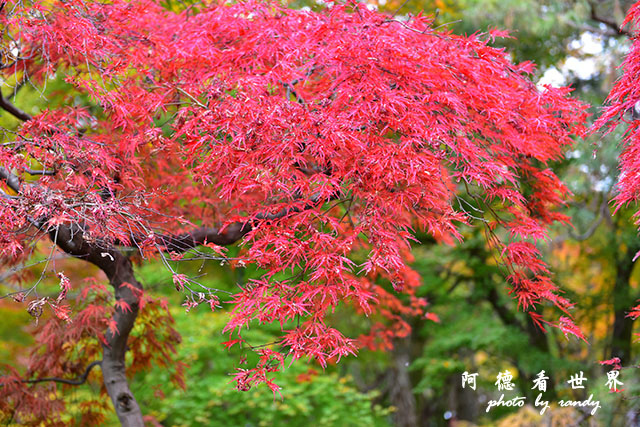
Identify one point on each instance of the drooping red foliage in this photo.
(624, 107)
(320, 141)
(622, 101)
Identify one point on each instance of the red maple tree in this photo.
(304, 137)
(624, 107)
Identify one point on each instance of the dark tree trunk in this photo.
(537, 339)
(119, 270)
(621, 336)
(127, 289)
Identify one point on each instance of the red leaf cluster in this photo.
(624, 107)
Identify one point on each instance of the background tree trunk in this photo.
(400, 387)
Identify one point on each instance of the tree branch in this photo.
(233, 232)
(609, 23)
(600, 216)
(78, 381)
(39, 172)
(13, 110)
(13, 182)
